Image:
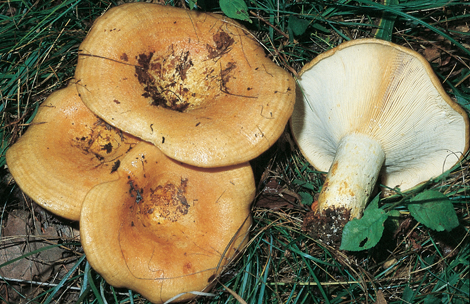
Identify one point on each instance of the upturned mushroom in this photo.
(369, 108)
(197, 85)
(165, 228)
(65, 152)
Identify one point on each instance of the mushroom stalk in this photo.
(352, 175)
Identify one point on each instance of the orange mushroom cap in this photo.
(165, 228)
(196, 85)
(65, 152)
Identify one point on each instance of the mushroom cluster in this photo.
(148, 146)
(371, 108)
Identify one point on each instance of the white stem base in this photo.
(352, 175)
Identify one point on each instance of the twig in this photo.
(47, 284)
(35, 283)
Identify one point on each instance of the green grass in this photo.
(282, 263)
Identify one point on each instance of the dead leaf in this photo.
(463, 28)
(19, 239)
(380, 298)
(431, 53)
(274, 196)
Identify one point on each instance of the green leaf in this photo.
(430, 299)
(304, 184)
(408, 295)
(235, 9)
(386, 22)
(434, 210)
(307, 199)
(298, 26)
(364, 233)
(321, 28)
(192, 4)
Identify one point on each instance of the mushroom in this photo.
(165, 228)
(65, 152)
(371, 107)
(197, 85)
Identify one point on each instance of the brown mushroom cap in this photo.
(65, 152)
(372, 107)
(165, 228)
(196, 85)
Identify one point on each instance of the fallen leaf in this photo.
(380, 298)
(431, 53)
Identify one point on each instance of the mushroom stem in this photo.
(352, 175)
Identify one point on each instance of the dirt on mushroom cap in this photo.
(169, 228)
(196, 85)
(66, 151)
